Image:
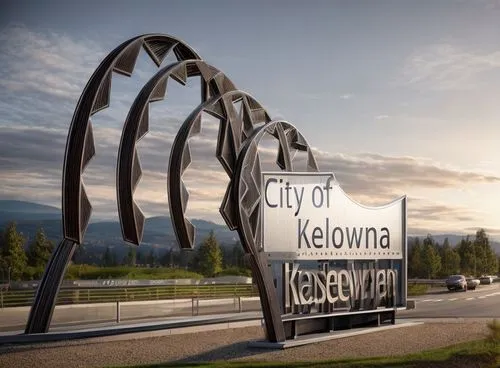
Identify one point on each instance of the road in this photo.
(484, 302)
(14, 319)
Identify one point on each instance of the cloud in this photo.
(42, 78)
(383, 177)
(49, 63)
(34, 158)
(446, 67)
(346, 96)
(382, 117)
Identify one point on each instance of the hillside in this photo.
(158, 231)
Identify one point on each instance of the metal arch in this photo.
(239, 135)
(95, 97)
(136, 126)
(235, 128)
(246, 192)
(76, 207)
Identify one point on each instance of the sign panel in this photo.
(307, 216)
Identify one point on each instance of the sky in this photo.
(395, 97)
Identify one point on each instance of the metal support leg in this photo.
(45, 298)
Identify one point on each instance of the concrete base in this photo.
(314, 338)
(411, 304)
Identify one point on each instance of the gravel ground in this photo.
(231, 344)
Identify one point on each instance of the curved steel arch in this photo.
(239, 135)
(95, 97)
(136, 126)
(76, 207)
(246, 191)
(234, 129)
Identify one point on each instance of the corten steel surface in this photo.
(136, 126)
(76, 208)
(239, 136)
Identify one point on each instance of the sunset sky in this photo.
(396, 97)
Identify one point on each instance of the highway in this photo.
(484, 302)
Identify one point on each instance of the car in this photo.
(472, 283)
(456, 282)
(485, 280)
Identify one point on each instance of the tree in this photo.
(131, 257)
(450, 259)
(108, 260)
(39, 250)
(13, 253)
(465, 250)
(431, 261)
(486, 260)
(415, 267)
(209, 256)
(151, 257)
(238, 255)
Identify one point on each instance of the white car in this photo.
(486, 280)
(472, 283)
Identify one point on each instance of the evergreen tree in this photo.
(108, 259)
(465, 250)
(450, 259)
(486, 260)
(139, 257)
(209, 256)
(13, 253)
(151, 258)
(238, 255)
(39, 250)
(415, 268)
(131, 257)
(431, 261)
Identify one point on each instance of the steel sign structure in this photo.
(285, 289)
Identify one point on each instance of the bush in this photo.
(33, 273)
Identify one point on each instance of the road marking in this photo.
(439, 300)
(428, 300)
(452, 299)
(469, 298)
(481, 297)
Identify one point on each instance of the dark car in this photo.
(456, 282)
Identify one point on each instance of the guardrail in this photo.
(81, 295)
(427, 281)
(107, 283)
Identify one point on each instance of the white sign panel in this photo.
(307, 216)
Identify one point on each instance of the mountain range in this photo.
(158, 231)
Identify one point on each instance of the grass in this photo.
(87, 272)
(16, 298)
(417, 289)
(480, 353)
